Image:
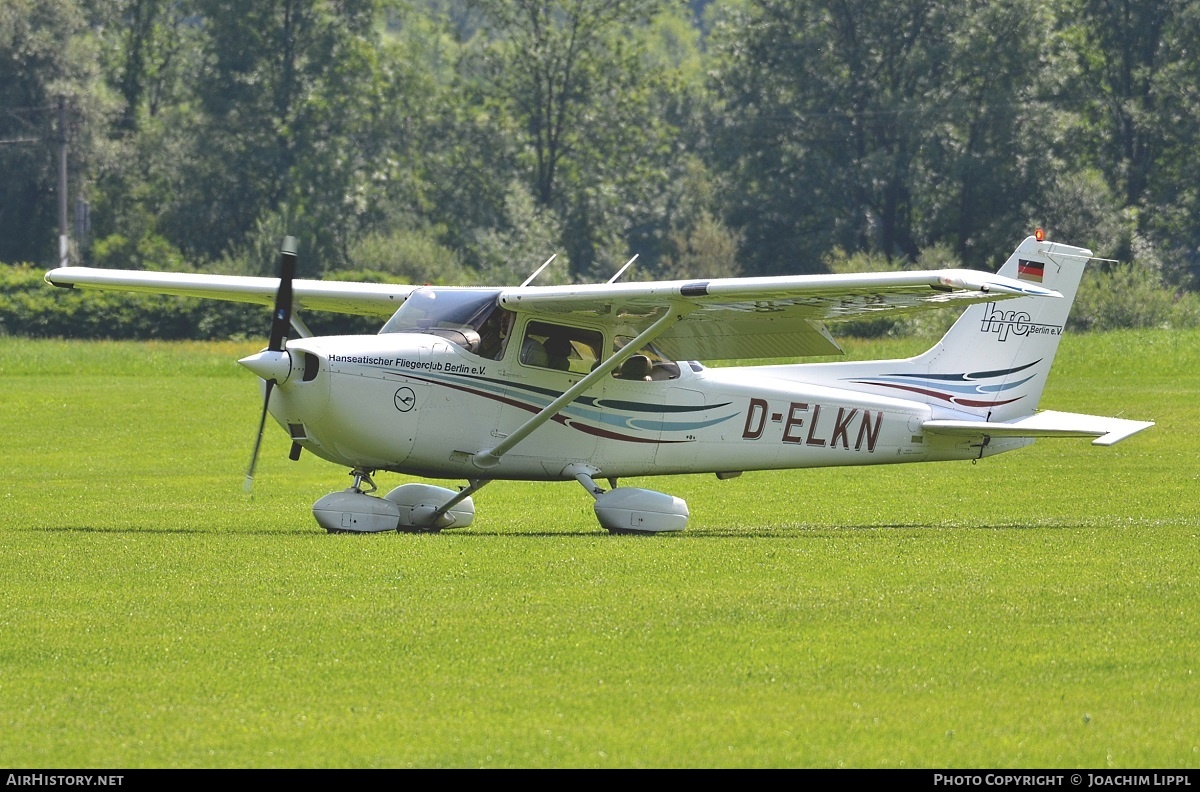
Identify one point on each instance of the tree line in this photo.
(465, 141)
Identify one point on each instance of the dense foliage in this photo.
(460, 141)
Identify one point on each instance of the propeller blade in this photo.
(281, 321)
(262, 422)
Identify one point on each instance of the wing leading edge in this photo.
(364, 299)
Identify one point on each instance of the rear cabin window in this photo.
(648, 364)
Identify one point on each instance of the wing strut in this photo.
(489, 458)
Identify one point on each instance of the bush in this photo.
(30, 307)
(151, 252)
(1122, 296)
(922, 323)
(1131, 295)
(410, 256)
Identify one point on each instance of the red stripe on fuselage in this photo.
(943, 396)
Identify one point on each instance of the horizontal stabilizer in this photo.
(1047, 423)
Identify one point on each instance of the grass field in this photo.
(1036, 610)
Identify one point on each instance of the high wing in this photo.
(718, 319)
(732, 318)
(363, 299)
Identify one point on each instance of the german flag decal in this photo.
(1030, 270)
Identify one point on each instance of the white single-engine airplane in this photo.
(600, 382)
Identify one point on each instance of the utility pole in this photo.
(63, 246)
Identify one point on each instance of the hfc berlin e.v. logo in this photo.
(1018, 323)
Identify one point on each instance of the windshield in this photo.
(430, 310)
(454, 314)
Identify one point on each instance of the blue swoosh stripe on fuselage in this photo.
(943, 385)
(538, 398)
(677, 426)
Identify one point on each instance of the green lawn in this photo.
(1038, 609)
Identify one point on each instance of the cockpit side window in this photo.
(552, 346)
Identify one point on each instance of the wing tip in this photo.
(1119, 434)
(49, 278)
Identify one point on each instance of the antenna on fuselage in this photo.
(621, 271)
(538, 271)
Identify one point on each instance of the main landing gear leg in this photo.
(631, 510)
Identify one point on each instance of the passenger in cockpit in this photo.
(558, 350)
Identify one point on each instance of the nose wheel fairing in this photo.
(412, 508)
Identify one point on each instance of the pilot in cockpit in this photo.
(494, 333)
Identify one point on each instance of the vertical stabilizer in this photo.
(995, 360)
